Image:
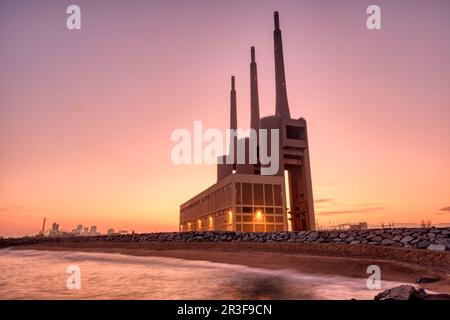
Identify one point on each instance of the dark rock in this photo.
(313, 235)
(442, 241)
(437, 247)
(430, 238)
(334, 234)
(403, 292)
(406, 239)
(423, 244)
(387, 242)
(427, 279)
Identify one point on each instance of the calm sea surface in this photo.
(31, 274)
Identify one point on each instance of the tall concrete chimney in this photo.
(282, 106)
(254, 99)
(233, 113)
(233, 116)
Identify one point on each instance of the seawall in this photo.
(419, 238)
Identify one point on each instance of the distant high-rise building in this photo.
(243, 199)
(85, 231)
(93, 231)
(78, 230)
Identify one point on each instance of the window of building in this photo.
(259, 216)
(296, 133)
(247, 209)
(269, 210)
(268, 195)
(247, 193)
(277, 194)
(279, 219)
(258, 194)
(238, 193)
(247, 228)
(247, 218)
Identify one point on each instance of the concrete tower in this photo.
(254, 97)
(233, 105)
(294, 149)
(282, 106)
(233, 115)
(255, 122)
(224, 169)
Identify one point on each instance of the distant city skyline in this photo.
(86, 115)
(54, 230)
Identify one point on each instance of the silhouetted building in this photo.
(93, 231)
(359, 226)
(243, 199)
(78, 230)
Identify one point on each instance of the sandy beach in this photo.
(397, 264)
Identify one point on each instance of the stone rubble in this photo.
(420, 238)
(409, 292)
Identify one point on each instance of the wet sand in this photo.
(397, 264)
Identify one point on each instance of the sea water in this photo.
(34, 274)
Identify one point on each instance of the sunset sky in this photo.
(86, 115)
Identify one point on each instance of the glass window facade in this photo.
(257, 206)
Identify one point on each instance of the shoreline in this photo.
(396, 264)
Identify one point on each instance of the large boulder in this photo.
(403, 292)
(406, 239)
(437, 247)
(423, 244)
(408, 292)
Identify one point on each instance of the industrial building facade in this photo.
(239, 202)
(243, 199)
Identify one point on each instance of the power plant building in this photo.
(243, 199)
